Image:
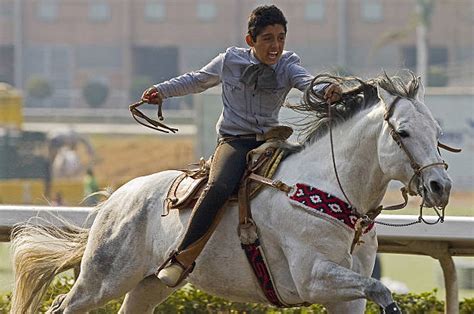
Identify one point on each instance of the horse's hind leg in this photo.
(107, 273)
(89, 293)
(149, 293)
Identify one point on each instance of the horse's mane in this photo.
(357, 95)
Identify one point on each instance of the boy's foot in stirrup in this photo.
(171, 275)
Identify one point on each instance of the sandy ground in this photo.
(121, 158)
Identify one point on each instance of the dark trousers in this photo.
(228, 166)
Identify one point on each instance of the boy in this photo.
(255, 82)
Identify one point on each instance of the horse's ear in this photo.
(420, 94)
(385, 96)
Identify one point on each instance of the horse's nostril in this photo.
(436, 187)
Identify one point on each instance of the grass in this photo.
(6, 275)
(420, 273)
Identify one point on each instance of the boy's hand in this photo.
(333, 93)
(152, 96)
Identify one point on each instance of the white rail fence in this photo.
(454, 237)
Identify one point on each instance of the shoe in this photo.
(171, 275)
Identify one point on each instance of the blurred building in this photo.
(117, 42)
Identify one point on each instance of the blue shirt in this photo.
(246, 110)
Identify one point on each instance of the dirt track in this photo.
(121, 158)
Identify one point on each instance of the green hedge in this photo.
(191, 300)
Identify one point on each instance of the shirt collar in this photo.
(254, 59)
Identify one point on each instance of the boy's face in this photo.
(269, 44)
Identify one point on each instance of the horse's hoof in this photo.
(392, 308)
(171, 275)
(56, 305)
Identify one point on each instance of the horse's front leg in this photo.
(363, 261)
(330, 282)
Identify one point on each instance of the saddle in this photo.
(262, 163)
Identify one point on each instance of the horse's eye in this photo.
(403, 133)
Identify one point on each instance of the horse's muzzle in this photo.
(436, 188)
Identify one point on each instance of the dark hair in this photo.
(263, 16)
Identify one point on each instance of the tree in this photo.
(95, 93)
(421, 24)
(39, 88)
(424, 10)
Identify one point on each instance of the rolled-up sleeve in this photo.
(193, 82)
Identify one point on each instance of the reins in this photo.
(367, 219)
(334, 158)
(150, 123)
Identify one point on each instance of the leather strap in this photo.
(277, 184)
(449, 148)
(247, 231)
(152, 124)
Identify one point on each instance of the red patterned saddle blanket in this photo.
(322, 202)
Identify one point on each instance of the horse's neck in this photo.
(355, 151)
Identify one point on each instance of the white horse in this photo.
(308, 253)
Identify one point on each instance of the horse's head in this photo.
(408, 144)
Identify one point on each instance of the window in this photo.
(99, 11)
(371, 10)
(155, 10)
(472, 10)
(93, 56)
(47, 10)
(262, 2)
(437, 56)
(6, 64)
(206, 10)
(6, 9)
(314, 10)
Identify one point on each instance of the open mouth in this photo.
(273, 55)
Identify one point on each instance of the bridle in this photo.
(417, 168)
(369, 218)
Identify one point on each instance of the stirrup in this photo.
(169, 262)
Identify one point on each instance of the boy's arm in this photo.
(301, 79)
(189, 83)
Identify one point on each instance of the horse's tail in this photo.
(40, 253)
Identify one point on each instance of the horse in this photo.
(67, 163)
(308, 253)
(61, 140)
